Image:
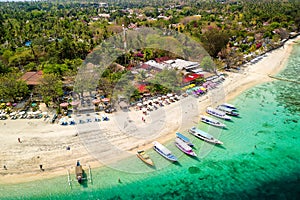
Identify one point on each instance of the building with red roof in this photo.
(32, 78)
(142, 88)
(191, 77)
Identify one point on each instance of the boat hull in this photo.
(147, 161)
(184, 139)
(212, 141)
(190, 153)
(225, 118)
(216, 124)
(168, 156)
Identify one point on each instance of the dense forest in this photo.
(56, 36)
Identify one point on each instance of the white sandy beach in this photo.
(45, 143)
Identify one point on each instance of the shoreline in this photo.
(41, 144)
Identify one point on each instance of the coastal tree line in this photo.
(56, 37)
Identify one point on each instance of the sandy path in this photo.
(45, 143)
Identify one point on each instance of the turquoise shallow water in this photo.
(260, 158)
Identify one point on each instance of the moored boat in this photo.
(79, 172)
(227, 110)
(184, 139)
(204, 136)
(162, 150)
(141, 154)
(227, 105)
(212, 121)
(184, 147)
(217, 113)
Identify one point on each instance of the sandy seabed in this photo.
(43, 143)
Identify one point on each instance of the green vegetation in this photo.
(56, 36)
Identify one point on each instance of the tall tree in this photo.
(11, 88)
(214, 40)
(50, 88)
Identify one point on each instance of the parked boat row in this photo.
(222, 111)
(184, 143)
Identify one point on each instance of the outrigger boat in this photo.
(212, 121)
(184, 147)
(80, 174)
(184, 139)
(204, 136)
(228, 111)
(227, 105)
(217, 113)
(141, 154)
(162, 150)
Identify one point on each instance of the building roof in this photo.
(191, 77)
(32, 78)
(142, 88)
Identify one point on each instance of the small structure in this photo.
(32, 78)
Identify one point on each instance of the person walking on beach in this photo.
(143, 119)
(19, 140)
(41, 168)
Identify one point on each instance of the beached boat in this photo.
(204, 136)
(227, 110)
(184, 147)
(217, 113)
(184, 139)
(79, 172)
(141, 154)
(212, 121)
(162, 150)
(81, 175)
(227, 105)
